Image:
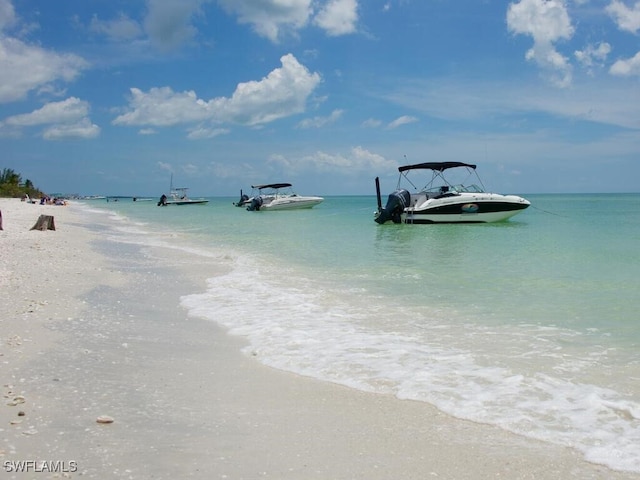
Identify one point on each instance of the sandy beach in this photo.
(104, 375)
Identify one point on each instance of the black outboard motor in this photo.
(397, 202)
(244, 199)
(255, 204)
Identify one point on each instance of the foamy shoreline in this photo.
(90, 327)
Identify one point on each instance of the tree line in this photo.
(12, 185)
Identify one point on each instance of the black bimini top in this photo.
(271, 185)
(438, 166)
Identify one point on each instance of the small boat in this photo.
(178, 196)
(442, 202)
(276, 196)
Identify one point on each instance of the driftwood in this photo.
(45, 222)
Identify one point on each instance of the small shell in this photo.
(104, 419)
(16, 401)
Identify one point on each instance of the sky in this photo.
(116, 97)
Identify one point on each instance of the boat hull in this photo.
(294, 203)
(186, 202)
(493, 208)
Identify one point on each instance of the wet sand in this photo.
(91, 328)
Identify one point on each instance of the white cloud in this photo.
(81, 129)
(68, 118)
(282, 93)
(403, 120)
(628, 19)
(318, 122)
(371, 123)
(24, 68)
(7, 14)
(68, 110)
(274, 19)
(204, 132)
(168, 22)
(338, 17)
(162, 107)
(165, 166)
(356, 161)
(271, 18)
(629, 67)
(547, 21)
(121, 29)
(592, 55)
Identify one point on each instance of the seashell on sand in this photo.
(104, 419)
(16, 401)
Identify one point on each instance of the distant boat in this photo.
(277, 196)
(178, 196)
(445, 202)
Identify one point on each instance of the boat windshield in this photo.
(473, 188)
(448, 190)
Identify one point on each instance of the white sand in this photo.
(90, 327)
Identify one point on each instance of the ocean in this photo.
(531, 325)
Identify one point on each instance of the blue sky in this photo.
(113, 96)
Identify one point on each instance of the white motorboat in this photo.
(178, 196)
(443, 202)
(277, 196)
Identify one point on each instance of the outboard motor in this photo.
(244, 199)
(255, 204)
(397, 202)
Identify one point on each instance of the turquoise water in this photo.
(531, 324)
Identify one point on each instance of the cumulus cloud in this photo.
(338, 17)
(169, 22)
(274, 19)
(371, 123)
(162, 107)
(627, 19)
(68, 118)
(24, 68)
(403, 120)
(628, 67)
(271, 18)
(356, 161)
(120, 29)
(318, 122)
(7, 14)
(204, 132)
(81, 129)
(592, 55)
(546, 21)
(282, 93)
